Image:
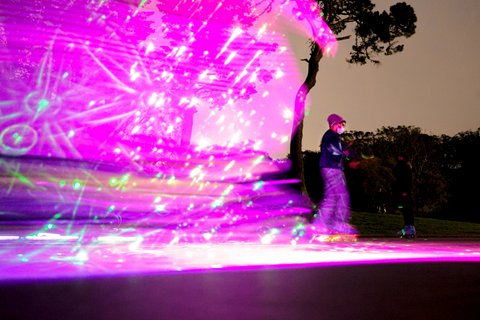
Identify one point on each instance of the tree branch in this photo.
(343, 38)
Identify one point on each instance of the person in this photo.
(333, 213)
(402, 195)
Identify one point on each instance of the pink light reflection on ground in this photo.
(108, 251)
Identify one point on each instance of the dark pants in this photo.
(404, 202)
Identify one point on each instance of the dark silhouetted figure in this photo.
(402, 195)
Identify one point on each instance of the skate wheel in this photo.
(335, 238)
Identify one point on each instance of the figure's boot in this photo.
(318, 227)
(408, 232)
(345, 228)
(319, 224)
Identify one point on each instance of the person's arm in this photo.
(351, 155)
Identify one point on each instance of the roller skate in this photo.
(408, 232)
(340, 233)
(344, 232)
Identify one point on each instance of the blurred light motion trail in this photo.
(136, 136)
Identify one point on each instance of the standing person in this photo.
(402, 195)
(333, 214)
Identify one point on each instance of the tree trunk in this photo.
(296, 153)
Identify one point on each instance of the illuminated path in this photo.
(115, 277)
(105, 252)
(110, 255)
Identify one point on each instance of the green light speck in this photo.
(77, 185)
(42, 104)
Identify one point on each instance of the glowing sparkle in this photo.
(258, 185)
(42, 105)
(77, 185)
(82, 256)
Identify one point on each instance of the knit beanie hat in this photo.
(334, 118)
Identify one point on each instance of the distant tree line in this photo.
(445, 171)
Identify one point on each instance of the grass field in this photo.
(387, 225)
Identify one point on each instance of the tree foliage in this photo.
(460, 167)
(375, 32)
(443, 167)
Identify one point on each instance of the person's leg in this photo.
(409, 228)
(327, 206)
(341, 217)
(405, 205)
(342, 198)
(408, 210)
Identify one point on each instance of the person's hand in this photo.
(354, 164)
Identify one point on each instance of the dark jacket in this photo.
(331, 151)
(403, 178)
